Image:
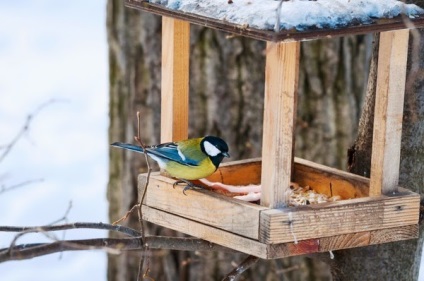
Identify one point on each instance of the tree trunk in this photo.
(134, 72)
(400, 260)
(226, 99)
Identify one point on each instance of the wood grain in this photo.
(345, 241)
(303, 247)
(340, 217)
(281, 76)
(330, 181)
(175, 79)
(394, 234)
(391, 74)
(367, 238)
(203, 206)
(205, 232)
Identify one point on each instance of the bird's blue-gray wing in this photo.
(170, 152)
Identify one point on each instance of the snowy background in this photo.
(51, 50)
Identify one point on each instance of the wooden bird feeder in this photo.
(374, 211)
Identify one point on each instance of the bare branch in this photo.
(245, 265)
(8, 147)
(28, 251)
(65, 216)
(89, 225)
(4, 188)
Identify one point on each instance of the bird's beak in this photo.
(226, 154)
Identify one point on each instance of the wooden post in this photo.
(175, 79)
(281, 76)
(391, 75)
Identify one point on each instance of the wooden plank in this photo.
(340, 217)
(284, 35)
(391, 75)
(242, 172)
(205, 232)
(303, 247)
(175, 76)
(330, 181)
(394, 234)
(202, 206)
(281, 76)
(344, 241)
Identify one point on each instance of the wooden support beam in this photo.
(391, 75)
(175, 76)
(281, 76)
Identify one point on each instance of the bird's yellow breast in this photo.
(204, 169)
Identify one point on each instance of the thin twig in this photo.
(8, 147)
(64, 218)
(126, 215)
(4, 188)
(140, 204)
(245, 265)
(48, 235)
(138, 139)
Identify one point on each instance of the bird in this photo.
(186, 160)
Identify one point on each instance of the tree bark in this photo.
(400, 260)
(226, 99)
(134, 70)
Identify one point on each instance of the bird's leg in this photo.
(189, 185)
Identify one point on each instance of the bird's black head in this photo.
(216, 148)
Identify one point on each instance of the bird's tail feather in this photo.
(128, 146)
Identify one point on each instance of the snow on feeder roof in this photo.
(293, 20)
(298, 14)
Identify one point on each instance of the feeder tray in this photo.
(372, 211)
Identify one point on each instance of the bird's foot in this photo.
(189, 185)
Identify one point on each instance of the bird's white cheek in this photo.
(210, 149)
(160, 162)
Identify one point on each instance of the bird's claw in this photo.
(189, 185)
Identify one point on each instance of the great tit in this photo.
(190, 159)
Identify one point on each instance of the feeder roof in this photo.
(290, 20)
